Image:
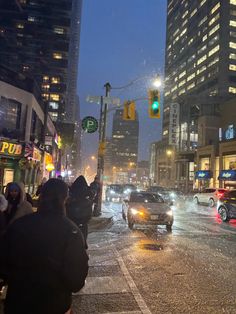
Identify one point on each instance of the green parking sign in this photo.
(89, 124)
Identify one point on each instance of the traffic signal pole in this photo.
(102, 140)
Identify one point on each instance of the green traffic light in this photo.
(155, 107)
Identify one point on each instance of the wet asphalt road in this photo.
(191, 270)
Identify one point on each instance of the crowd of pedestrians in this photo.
(43, 253)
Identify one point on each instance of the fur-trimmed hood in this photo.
(3, 203)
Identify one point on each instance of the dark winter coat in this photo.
(79, 207)
(43, 259)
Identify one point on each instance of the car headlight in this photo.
(170, 213)
(112, 192)
(134, 211)
(172, 195)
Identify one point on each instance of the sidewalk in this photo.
(101, 221)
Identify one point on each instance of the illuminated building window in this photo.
(54, 116)
(54, 97)
(201, 79)
(165, 132)
(45, 87)
(214, 61)
(232, 56)
(204, 38)
(214, 29)
(55, 80)
(182, 91)
(176, 79)
(232, 90)
(32, 18)
(232, 67)
(202, 21)
(202, 59)
(46, 78)
(232, 45)
(201, 3)
(213, 92)
(59, 30)
(232, 23)
(202, 49)
(216, 7)
(213, 72)
(167, 93)
(182, 74)
(53, 105)
(182, 83)
(214, 50)
(190, 77)
(192, 85)
(45, 96)
(190, 41)
(194, 12)
(19, 25)
(233, 2)
(213, 40)
(185, 14)
(215, 18)
(183, 32)
(57, 55)
(191, 58)
(185, 22)
(203, 68)
(173, 89)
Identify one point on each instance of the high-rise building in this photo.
(125, 136)
(200, 73)
(40, 39)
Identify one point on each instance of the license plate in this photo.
(154, 217)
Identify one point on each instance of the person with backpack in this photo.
(43, 257)
(79, 205)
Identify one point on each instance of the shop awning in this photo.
(227, 175)
(203, 174)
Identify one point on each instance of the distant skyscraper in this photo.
(125, 136)
(40, 38)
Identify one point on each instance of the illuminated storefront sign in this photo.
(227, 175)
(203, 174)
(10, 149)
(174, 124)
(227, 134)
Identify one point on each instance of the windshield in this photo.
(116, 188)
(145, 198)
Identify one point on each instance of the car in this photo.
(147, 208)
(209, 196)
(114, 193)
(226, 206)
(127, 189)
(169, 195)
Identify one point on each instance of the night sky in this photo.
(121, 40)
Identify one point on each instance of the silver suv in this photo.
(209, 196)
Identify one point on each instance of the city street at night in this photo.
(147, 270)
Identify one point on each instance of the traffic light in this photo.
(154, 104)
(129, 110)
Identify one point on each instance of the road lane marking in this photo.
(134, 289)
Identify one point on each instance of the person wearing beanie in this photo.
(43, 257)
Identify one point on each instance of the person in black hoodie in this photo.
(79, 205)
(43, 257)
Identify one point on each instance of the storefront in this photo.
(228, 178)
(10, 155)
(203, 179)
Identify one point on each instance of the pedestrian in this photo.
(3, 207)
(43, 257)
(79, 205)
(40, 186)
(27, 195)
(96, 188)
(17, 204)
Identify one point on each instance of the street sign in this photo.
(89, 124)
(106, 100)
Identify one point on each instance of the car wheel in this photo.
(223, 214)
(130, 224)
(211, 202)
(196, 201)
(168, 228)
